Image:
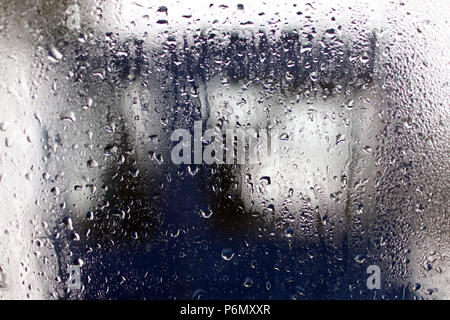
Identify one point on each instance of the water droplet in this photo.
(289, 232)
(198, 294)
(248, 282)
(416, 286)
(75, 236)
(163, 9)
(360, 258)
(3, 126)
(365, 57)
(206, 213)
(227, 254)
(69, 116)
(350, 104)
(134, 235)
(8, 142)
(368, 149)
(92, 163)
(340, 138)
(55, 191)
(265, 180)
(55, 54)
(314, 76)
(68, 223)
(90, 215)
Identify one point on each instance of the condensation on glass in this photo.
(354, 94)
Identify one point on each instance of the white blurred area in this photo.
(316, 150)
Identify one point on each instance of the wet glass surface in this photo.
(354, 101)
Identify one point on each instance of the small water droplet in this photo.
(3, 126)
(367, 149)
(265, 180)
(134, 235)
(248, 282)
(360, 258)
(206, 214)
(55, 54)
(416, 286)
(314, 76)
(75, 236)
(289, 232)
(198, 294)
(340, 138)
(365, 57)
(90, 215)
(227, 254)
(92, 163)
(350, 104)
(68, 223)
(8, 142)
(55, 191)
(69, 116)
